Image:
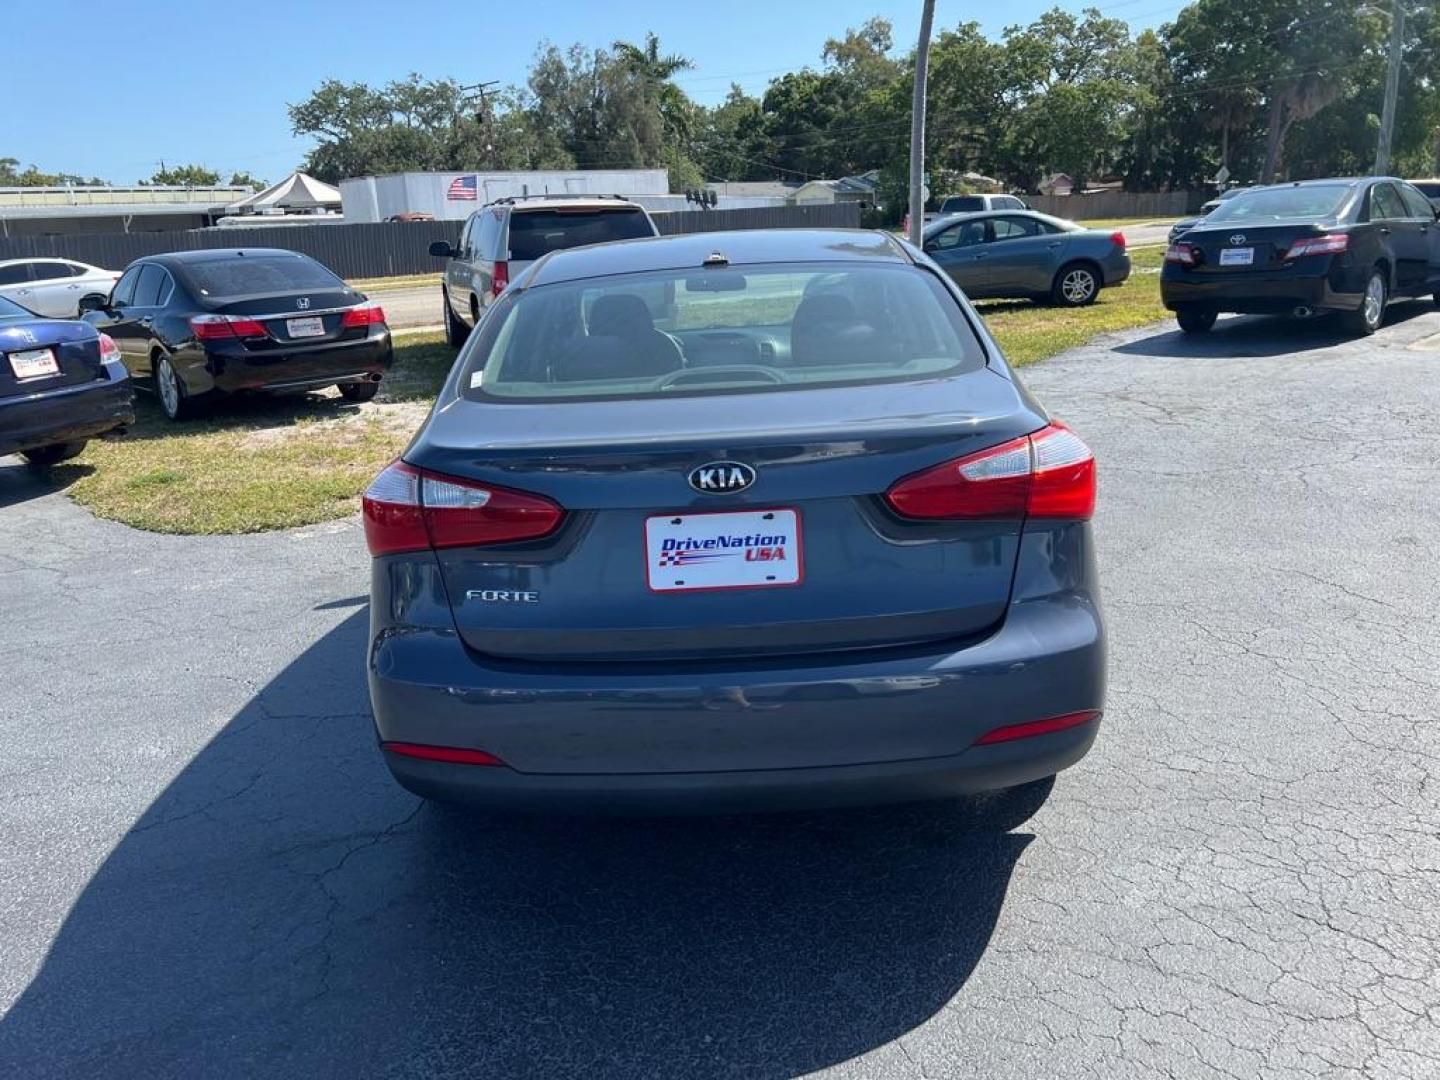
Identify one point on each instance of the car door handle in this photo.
(72, 286)
(1055, 243)
(145, 320)
(1384, 232)
(980, 255)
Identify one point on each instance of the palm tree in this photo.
(656, 71)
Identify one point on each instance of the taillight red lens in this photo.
(410, 509)
(500, 279)
(108, 349)
(1183, 254)
(1331, 244)
(1050, 474)
(1029, 730)
(1117, 238)
(364, 315)
(214, 327)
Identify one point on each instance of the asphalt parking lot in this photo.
(207, 870)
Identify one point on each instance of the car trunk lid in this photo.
(1246, 249)
(43, 354)
(854, 575)
(293, 319)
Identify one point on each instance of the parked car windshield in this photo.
(719, 330)
(11, 310)
(959, 204)
(1310, 201)
(535, 232)
(253, 275)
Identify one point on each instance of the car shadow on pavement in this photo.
(284, 909)
(1263, 335)
(20, 482)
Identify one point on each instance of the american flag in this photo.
(462, 187)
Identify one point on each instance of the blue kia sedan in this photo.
(61, 384)
(733, 521)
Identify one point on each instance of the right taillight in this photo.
(1050, 474)
(1183, 254)
(1330, 244)
(500, 278)
(410, 509)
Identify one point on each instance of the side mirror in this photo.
(442, 250)
(93, 302)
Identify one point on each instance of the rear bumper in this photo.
(229, 367)
(69, 413)
(1280, 292)
(982, 768)
(837, 730)
(1116, 268)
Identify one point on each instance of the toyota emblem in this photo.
(1238, 238)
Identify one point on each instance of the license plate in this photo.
(33, 362)
(311, 327)
(1237, 256)
(754, 549)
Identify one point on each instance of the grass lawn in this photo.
(269, 463)
(1029, 332)
(411, 281)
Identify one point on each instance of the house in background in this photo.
(859, 189)
(1057, 184)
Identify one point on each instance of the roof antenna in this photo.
(716, 258)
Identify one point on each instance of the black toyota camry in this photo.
(197, 324)
(1349, 246)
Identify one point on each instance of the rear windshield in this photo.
(1313, 201)
(1429, 188)
(723, 329)
(11, 310)
(962, 203)
(251, 275)
(535, 232)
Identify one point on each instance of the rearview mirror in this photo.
(442, 250)
(92, 302)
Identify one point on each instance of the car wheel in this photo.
(1196, 320)
(455, 332)
(170, 390)
(1075, 286)
(1366, 319)
(42, 456)
(360, 391)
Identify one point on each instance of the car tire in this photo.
(1076, 285)
(360, 391)
(455, 332)
(44, 456)
(175, 403)
(1366, 319)
(1196, 320)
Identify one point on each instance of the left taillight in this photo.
(410, 509)
(1118, 239)
(108, 349)
(369, 314)
(1050, 474)
(216, 327)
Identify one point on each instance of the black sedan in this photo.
(199, 324)
(61, 384)
(1348, 246)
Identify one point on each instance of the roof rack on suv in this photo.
(525, 198)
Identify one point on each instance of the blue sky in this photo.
(205, 82)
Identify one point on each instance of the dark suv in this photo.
(504, 237)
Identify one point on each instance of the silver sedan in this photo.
(1027, 254)
(53, 287)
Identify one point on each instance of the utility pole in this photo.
(917, 125)
(1392, 88)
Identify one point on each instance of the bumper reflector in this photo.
(1037, 727)
(455, 755)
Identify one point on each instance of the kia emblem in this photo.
(1238, 238)
(721, 477)
(303, 303)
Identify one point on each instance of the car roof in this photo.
(526, 203)
(739, 248)
(204, 255)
